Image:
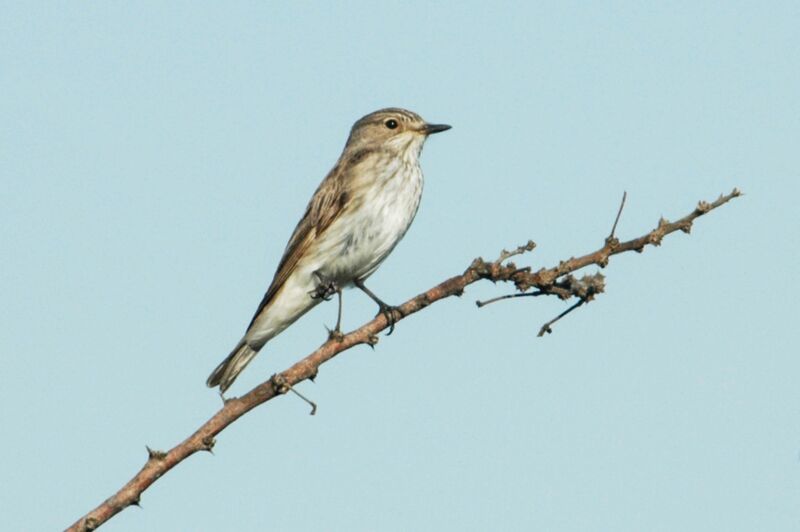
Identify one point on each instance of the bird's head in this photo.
(392, 129)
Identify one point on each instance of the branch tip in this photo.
(505, 254)
(306, 399)
(611, 235)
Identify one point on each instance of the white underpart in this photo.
(355, 244)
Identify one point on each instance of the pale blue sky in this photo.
(155, 159)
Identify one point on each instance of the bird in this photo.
(358, 214)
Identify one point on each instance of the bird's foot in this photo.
(325, 289)
(388, 312)
(335, 334)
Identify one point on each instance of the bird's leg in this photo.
(336, 333)
(325, 290)
(385, 309)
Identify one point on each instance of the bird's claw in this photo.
(324, 290)
(388, 312)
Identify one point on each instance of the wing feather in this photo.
(327, 203)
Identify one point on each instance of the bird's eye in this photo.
(391, 123)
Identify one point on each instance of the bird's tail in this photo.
(224, 375)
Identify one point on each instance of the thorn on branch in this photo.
(153, 454)
(208, 444)
(334, 335)
(657, 235)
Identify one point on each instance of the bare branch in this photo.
(555, 281)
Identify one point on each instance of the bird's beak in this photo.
(430, 129)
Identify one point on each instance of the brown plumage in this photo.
(357, 215)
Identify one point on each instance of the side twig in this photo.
(546, 327)
(619, 213)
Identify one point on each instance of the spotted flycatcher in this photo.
(356, 217)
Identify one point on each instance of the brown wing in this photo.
(325, 206)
